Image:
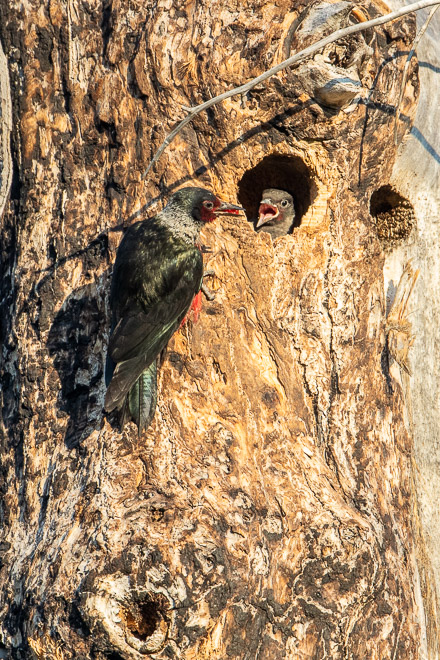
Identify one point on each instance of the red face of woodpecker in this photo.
(213, 207)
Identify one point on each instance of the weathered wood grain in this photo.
(267, 511)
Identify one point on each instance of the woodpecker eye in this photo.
(208, 205)
(284, 203)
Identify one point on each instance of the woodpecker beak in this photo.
(228, 209)
(266, 213)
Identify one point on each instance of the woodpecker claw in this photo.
(208, 294)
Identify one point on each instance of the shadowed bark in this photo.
(269, 510)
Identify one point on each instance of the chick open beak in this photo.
(266, 213)
(228, 209)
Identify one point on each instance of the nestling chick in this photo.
(276, 213)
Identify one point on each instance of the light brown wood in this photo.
(267, 512)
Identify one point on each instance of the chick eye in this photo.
(284, 203)
(208, 205)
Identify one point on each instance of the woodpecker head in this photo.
(202, 205)
(276, 209)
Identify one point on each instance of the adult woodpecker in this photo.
(276, 213)
(158, 274)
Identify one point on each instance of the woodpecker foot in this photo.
(209, 295)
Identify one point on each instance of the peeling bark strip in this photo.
(266, 512)
(5, 132)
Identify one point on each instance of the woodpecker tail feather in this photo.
(142, 398)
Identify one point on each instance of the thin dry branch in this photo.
(294, 59)
(416, 41)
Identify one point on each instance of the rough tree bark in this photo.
(270, 510)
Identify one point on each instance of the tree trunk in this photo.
(270, 510)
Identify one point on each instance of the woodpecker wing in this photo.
(142, 333)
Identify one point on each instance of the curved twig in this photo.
(303, 54)
(419, 35)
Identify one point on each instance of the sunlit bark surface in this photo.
(267, 512)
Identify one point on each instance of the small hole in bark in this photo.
(144, 618)
(287, 173)
(342, 53)
(393, 216)
(270, 397)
